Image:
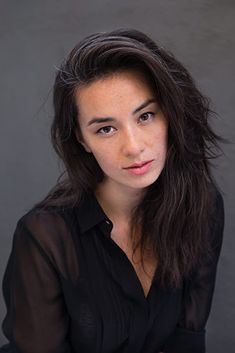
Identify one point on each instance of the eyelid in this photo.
(100, 133)
(108, 134)
(148, 112)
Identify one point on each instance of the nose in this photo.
(132, 144)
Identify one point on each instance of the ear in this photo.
(81, 141)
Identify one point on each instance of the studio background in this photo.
(35, 36)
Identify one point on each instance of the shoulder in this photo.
(48, 232)
(215, 192)
(216, 217)
(45, 216)
(49, 228)
(216, 204)
(39, 220)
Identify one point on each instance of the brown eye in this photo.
(106, 130)
(146, 116)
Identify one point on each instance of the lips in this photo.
(138, 169)
(138, 165)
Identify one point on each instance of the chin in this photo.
(142, 184)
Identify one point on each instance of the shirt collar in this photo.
(90, 213)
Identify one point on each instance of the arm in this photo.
(189, 336)
(36, 319)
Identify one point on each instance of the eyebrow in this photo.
(110, 119)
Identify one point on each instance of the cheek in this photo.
(103, 158)
(104, 151)
(108, 160)
(159, 139)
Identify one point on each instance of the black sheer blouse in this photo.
(69, 287)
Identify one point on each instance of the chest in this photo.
(145, 271)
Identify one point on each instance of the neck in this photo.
(118, 203)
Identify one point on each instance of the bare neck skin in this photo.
(116, 202)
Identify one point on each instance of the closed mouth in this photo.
(138, 165)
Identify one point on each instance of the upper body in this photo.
(121, 256)
(69, 287)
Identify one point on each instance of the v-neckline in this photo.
(146, 296)
(134, 273)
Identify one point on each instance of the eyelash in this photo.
(98, 132)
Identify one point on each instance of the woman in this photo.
(121, 256)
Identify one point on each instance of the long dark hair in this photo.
(175, 213)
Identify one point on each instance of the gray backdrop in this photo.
(34, 38)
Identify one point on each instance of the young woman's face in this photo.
(122, 124)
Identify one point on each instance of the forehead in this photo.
(122, 89)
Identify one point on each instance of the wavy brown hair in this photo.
(175, 213)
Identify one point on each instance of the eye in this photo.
(145, 117)
(106, 130)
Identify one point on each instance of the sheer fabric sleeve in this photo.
(189, 336)
(36, 319)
